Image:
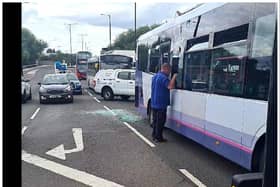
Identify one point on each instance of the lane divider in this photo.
(96, 100)
(192, 178)
(35, 113)
(23, 129)
(139, 135)
(114, 114)
(90, 94)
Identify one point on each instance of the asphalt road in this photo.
(111, 150)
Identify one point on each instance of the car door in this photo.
(122, 81)
(131, 83)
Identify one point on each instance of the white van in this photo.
(117, 82)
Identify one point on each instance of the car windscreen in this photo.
(54, 79)
(71, 77)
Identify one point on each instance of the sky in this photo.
(49, 21)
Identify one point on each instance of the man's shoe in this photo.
(163, 140)
(159, 141)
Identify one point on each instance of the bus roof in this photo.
(180, 19)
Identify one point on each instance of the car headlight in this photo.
(42, 90)
(68, 88)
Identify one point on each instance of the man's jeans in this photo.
(159, 118)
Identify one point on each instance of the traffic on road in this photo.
(200, 80)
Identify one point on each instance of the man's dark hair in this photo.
(165, 65)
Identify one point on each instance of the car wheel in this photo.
(125, 97)
(41, 102)
(23, 99)
(107, 93)
(72, 100)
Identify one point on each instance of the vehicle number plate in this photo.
(55, 96)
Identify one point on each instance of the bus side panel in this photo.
(146, 87)
(139, 85)
(255, 115)
(225, 116)
(187, 114)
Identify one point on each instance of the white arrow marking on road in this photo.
(71, 173)
(59, 151)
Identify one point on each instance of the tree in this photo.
(31, 47)
(126, 40)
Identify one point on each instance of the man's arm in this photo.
(171, 84)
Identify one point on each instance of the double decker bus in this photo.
(93, 67)
(81, 64)
(117, 59)
(224, 50)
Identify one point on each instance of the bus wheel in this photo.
(107, 93)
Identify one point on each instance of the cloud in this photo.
(47, 20)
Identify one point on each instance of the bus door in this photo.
(193, 102)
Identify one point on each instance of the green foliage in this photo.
(126, 40)
(31, 47)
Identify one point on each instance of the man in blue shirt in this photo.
(160, 99)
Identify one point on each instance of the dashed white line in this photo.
(96, 99)
(192, 178)
(35, 113)
(140, 135)
(23, 129)
(110, 110)
(74, 174)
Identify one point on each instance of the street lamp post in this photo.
(70, 24)
(109, 16)
(82, 35)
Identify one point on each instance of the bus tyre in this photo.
(260, 166)
(107, 93)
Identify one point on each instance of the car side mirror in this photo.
(39, 83)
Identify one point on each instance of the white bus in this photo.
(117, 59)
(225, 50)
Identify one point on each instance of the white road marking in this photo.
(96, 99)
(23, 129)
(74, 174)
(110, 110)
(35, 113)
(140, 135)
(59, 151)
(192, 178)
